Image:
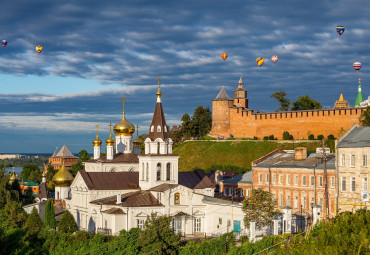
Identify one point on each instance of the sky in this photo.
(96, 52)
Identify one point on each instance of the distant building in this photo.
(63, 156)
(238, 187)
(25, 185)
(341, 103)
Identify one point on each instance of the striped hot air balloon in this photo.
(260, 61)
(357, 66)
(340, 30)
(224, 56)
(4, 43)
(274, 58)
(39, 48)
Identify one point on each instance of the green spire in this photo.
(359, 98)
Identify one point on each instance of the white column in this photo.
(96, 152)
(109, 152)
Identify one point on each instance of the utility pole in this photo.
(325, 181)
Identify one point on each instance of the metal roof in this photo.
(358, 137)
(244, 178)
(222, 95)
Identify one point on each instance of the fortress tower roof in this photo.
(223, 95)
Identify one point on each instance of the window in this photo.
(247, 192)
(304, 203)
(159, 196)
(177, 198)
(352, 162)
(219, 221)
(165, 128)
(140, 224)
(332, 182)
(267, 178)
(312, 182)
(158, 171)
(241, 192)
(142, 171)
(236, 192)
(321, 201)
(273, 178)
(288, 201)
(225, 191)
(105, 224)
(197, 225)
(364, 160)
(281, 199)
(158, 128)
(168, 177)
(344, 183)
(320, 181)
(230, 192)
(288, 179)
(353, 184)
(312, 201)
(296, 180)
(280, 179)
(364, 184)
(152, 129)
(342, 160)
(147, 171)
(260, 178)
(295, 202)
(304, 180)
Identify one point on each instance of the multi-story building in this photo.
(295, 179)
(353, 150)
(64, 156)
(238, 187)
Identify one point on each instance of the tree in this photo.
(311, 137)
(84, 156)
(13, 214)
(31, 172)
(305, 103)
(49, 177)
(286, 135)
(3, 185)
(284, 102)
(28, 197)
(260, 207)
(364, 118)
(187, 126)
(33, 223)
(320, 137)
(49, 218)
(331, 137)
(202, 118)
(157, 236)
(67, 223)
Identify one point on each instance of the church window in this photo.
(142, 171)
(320, 181)
(332, 182)
(147, 171)
(152, 129)
(273, 178)
(281, 199)
(140, 224)
(177, 198)
(158, 128)
(158, 171)
(312, 180)
(260, 178)
(197, 225)
(168, 177)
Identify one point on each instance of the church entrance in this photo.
(177, 225)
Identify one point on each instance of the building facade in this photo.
(64, 156)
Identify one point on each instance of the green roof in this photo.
(359, 98)
(31, 183)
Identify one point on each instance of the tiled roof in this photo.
(43, 192)
(110, 180)
(131, 199)
(114, 210)
(118, 158)
(64, 153)
(163, 187)
(158, 120)
(195, 180)
(222, 95)
(358, 137)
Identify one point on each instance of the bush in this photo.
(311, 137)
(320, 137)
(265, 138)
(286, 135)
(255, 138)
(67, 223)
(33, 223)
(49, 219)
(271, 137)
(331, 137)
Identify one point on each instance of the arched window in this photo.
(142, 171)
(152, 129)
(177, 199)
(159, 171)
(168, 177)
(147, 171)
(158, 128)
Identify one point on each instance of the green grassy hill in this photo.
(205, 154)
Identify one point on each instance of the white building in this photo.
(120, 190)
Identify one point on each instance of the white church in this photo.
(120, 190)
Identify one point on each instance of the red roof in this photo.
(110, 180)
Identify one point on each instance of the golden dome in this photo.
(63, 178)
(97, 141)
(110, 140)
(137, 141)
(124, 127)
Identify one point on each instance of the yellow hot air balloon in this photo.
(39, 48)
(260, 61)
(224, 56)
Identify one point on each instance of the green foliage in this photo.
(49, 217)
(20, 162)
(311, 137)
(286, 135)
(265, 138)
(271, 137)
(49, 177)
(202, 118)
(13, 215)
(3, 185)
(259, 207)
(255, 138)
(67, 223)
(320, 137)
(157, 236)
(284, 102)
(364, 118)
(76, 167)
(331, 137)
(33, 223)
(84, 156)
(248, 248)
(28, 197)
(305, 103)
(31, 172)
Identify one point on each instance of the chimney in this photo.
(118, 199)
(300, 153)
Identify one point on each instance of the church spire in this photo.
(359, 98)
(240, 83)
(158, 128)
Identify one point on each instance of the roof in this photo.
(64, 153)
(243, 178)
(195, 180)
(114, 210)
(215, 200)
(110, 180)
(181, 214)
(117, 158)
(163, 187)
(224, 174)
(287, 160)
(358, 137)
(43, 191)
(131, 199)
(158, 120)
(222, 95)
(31, 184)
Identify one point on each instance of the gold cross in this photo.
(97, 129)
(159, 84)
(123, 100)
(137, 130)
(110, 129)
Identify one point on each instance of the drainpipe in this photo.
(127, 219)
(314, 176)
(269, 179)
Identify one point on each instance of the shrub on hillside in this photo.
(286, 135)
(311, 137)
(320, 137)
(67, 223)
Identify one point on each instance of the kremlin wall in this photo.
(233, 118)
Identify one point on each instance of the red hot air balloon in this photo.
(224, 56)
(274, 58)
(357, 66)
(4, 43)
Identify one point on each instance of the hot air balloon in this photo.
(39, 48)
(274, 58)
(260, 61)
(340, 30)
(224, 56)
(357, 66)
(4, 43)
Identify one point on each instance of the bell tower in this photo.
(240, 95)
